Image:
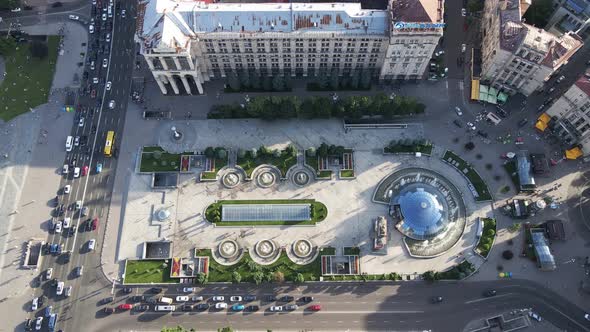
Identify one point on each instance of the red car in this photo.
(84, 170)
(95, 223)
(93, 94)
(315, 307)
(125, 306)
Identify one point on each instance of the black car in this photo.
(107, 300)
(127, 290)
(187, 307)
(436, 299)
(28, 324)
(138, 298)
(46, 248)
(252, 308)
(249, 298)
(41, 300)
(152, 300)
(482, 134)
(73, 229)
(202, 306)
(457, 123)
(270, 298)
(109, 311)
(490, 293)
(522, 122)
(54, 282)
(143, 307)
(306, 299)
(287, 298)
(156, 290)
(67, 256)
(88, 225)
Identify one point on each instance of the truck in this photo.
(380, 233)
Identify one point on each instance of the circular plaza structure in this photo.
(265, 248)
(228, 249)
(302, 248)
(230, 179)
(301, 177)
(426, 208)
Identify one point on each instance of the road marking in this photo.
(487, 298)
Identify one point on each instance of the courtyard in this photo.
(349, 201)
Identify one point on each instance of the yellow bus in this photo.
(109, 144)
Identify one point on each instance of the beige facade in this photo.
(570, 114)
(517, 57)
(188, 43)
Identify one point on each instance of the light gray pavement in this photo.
(34, 144)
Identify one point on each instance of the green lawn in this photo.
(398, 148)
(209, 175)
(478, 183)
(313, 163)
(327, 174)
(28, 80)
(152, 149)
(512, 171)
(156, 273)
(328, 251)
(352, 251)
(283, 162)
(347, 173)
(319, 212)
(222, 273)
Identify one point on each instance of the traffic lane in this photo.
(453, 38)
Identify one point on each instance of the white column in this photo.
(189, 60)
(173, 83)
(185, 83)
(177, 63)
(161, 84)
(163, 62)
(198, 83)
(150, 62)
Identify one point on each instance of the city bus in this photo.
(109, 144)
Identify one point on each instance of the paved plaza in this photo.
(351, 210)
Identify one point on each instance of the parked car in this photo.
(48, 310)
(67, 187)
(196, 298)
(237, 307)
(489, 293)
(181, 298)
(58, 227)
(81, 122)
(187, 307)
(68, 291)
(188, 289)
(271, 298)
(220, 305)
(252, 308)
(291, 307)
(107, 300)
(202, 306)
(84, 170)
(98, 168)
(235, 298)
(315, 307)
(155, 290)
(108, 85)
(35, 304)
(108, 311)
(249, 298)
(138, 298)
(60, 288)
(79, 271)
(436, 299)
(535, 316)
(125, 306)
(276, 308)
(38, 323)
(217, 298)
(127, 290)
(48, 273)
(143, 307)
(287, 298)
(77, 172)
(306, 299)
(91, 244)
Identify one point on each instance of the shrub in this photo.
(210, 152)
(507, 254)
(279, 276)
(221, 153)
(514, 227)
(253, 267)
(490, 232)
(469, 146)
(269, 277)
(299, 278)
(311, 152)
(241, 153)
(236, 277)
(258, 277)
(202, 278)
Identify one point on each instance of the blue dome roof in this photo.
(424, 216)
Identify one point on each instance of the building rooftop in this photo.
(417, 10)
(423, 214)
(583, 82)
(173, 22)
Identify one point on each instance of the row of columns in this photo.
(162, 79)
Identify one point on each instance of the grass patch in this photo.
(284, 162)
(328, 251)
(352, 251)
(478, 183)
(487, 237)
(209, 175)
(409, 147)
(152, 149)
(512, 171)
(326, 174)
(247, 268)
(319, 212)
(28, 80)
(147, 271)
(314, 163)
(159, 162)
(347, 173)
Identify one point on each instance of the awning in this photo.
(545, 118)
(541, 125)
(574, 153)
(502, 97)
(474, 89)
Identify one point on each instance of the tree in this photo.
(241, 153)
(334, 79)
(263, 151)
(7, 45)
(178, 328)
(489, 233)
(311, 152)
(258, 277)
(202, 278)
(253, 153)
(236, 277)
(233, 81)
(290, 150)
(322, 107)
(255, 82)
(157, 155)
(430, 275)
(323, 79)
(269, 277)
(507, 254)
(475, 6)
(366, 77)
(253, 267)
(276, 153)
(469, 146)
(323, 150)
(39, 49)
(279, 276)
(9, 4)
(299, 278)
(221, 153)
(278, 84)
(210, 152)
(538, 13)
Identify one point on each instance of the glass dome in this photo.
(423, 214)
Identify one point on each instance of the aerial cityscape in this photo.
(274, 165)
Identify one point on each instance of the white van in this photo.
(166, 300)
(69, 143)
(493, 118)
(165, 308)
(110, 11)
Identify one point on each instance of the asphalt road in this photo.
(349, 306)
(93, 190)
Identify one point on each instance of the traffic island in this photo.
(292, 212)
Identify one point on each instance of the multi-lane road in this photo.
(93, 189)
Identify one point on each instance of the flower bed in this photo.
(478, 186)
(487, 238)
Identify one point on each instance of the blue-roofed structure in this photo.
(525, 172)
(423, 213)
(542, 252)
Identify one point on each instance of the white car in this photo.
(112, 104)
(67, 188)
(35, 304)
(123, 12)
(471, 126)
(463, 12)
(108, 37)
(65, 169)
(109, 84)
(48, 273)
(463, 48)
(16, 10)
(104, 17)
(77, 172)
(105, 63)
(458, 111)
(181, 298)
(276, 308)
(77, 141)
(92, 65)
(221, 305)
(95, 80)
(235, 298)
(188, 289)
(586, 316)
(81, 122)
(74, 17)
(535, 316)
(78, 205)
(91, 244)
(58, 227)
(68, 292)
(38, 323)
(67, 222)
(91, 28)
(217, 298)
(60, 288)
